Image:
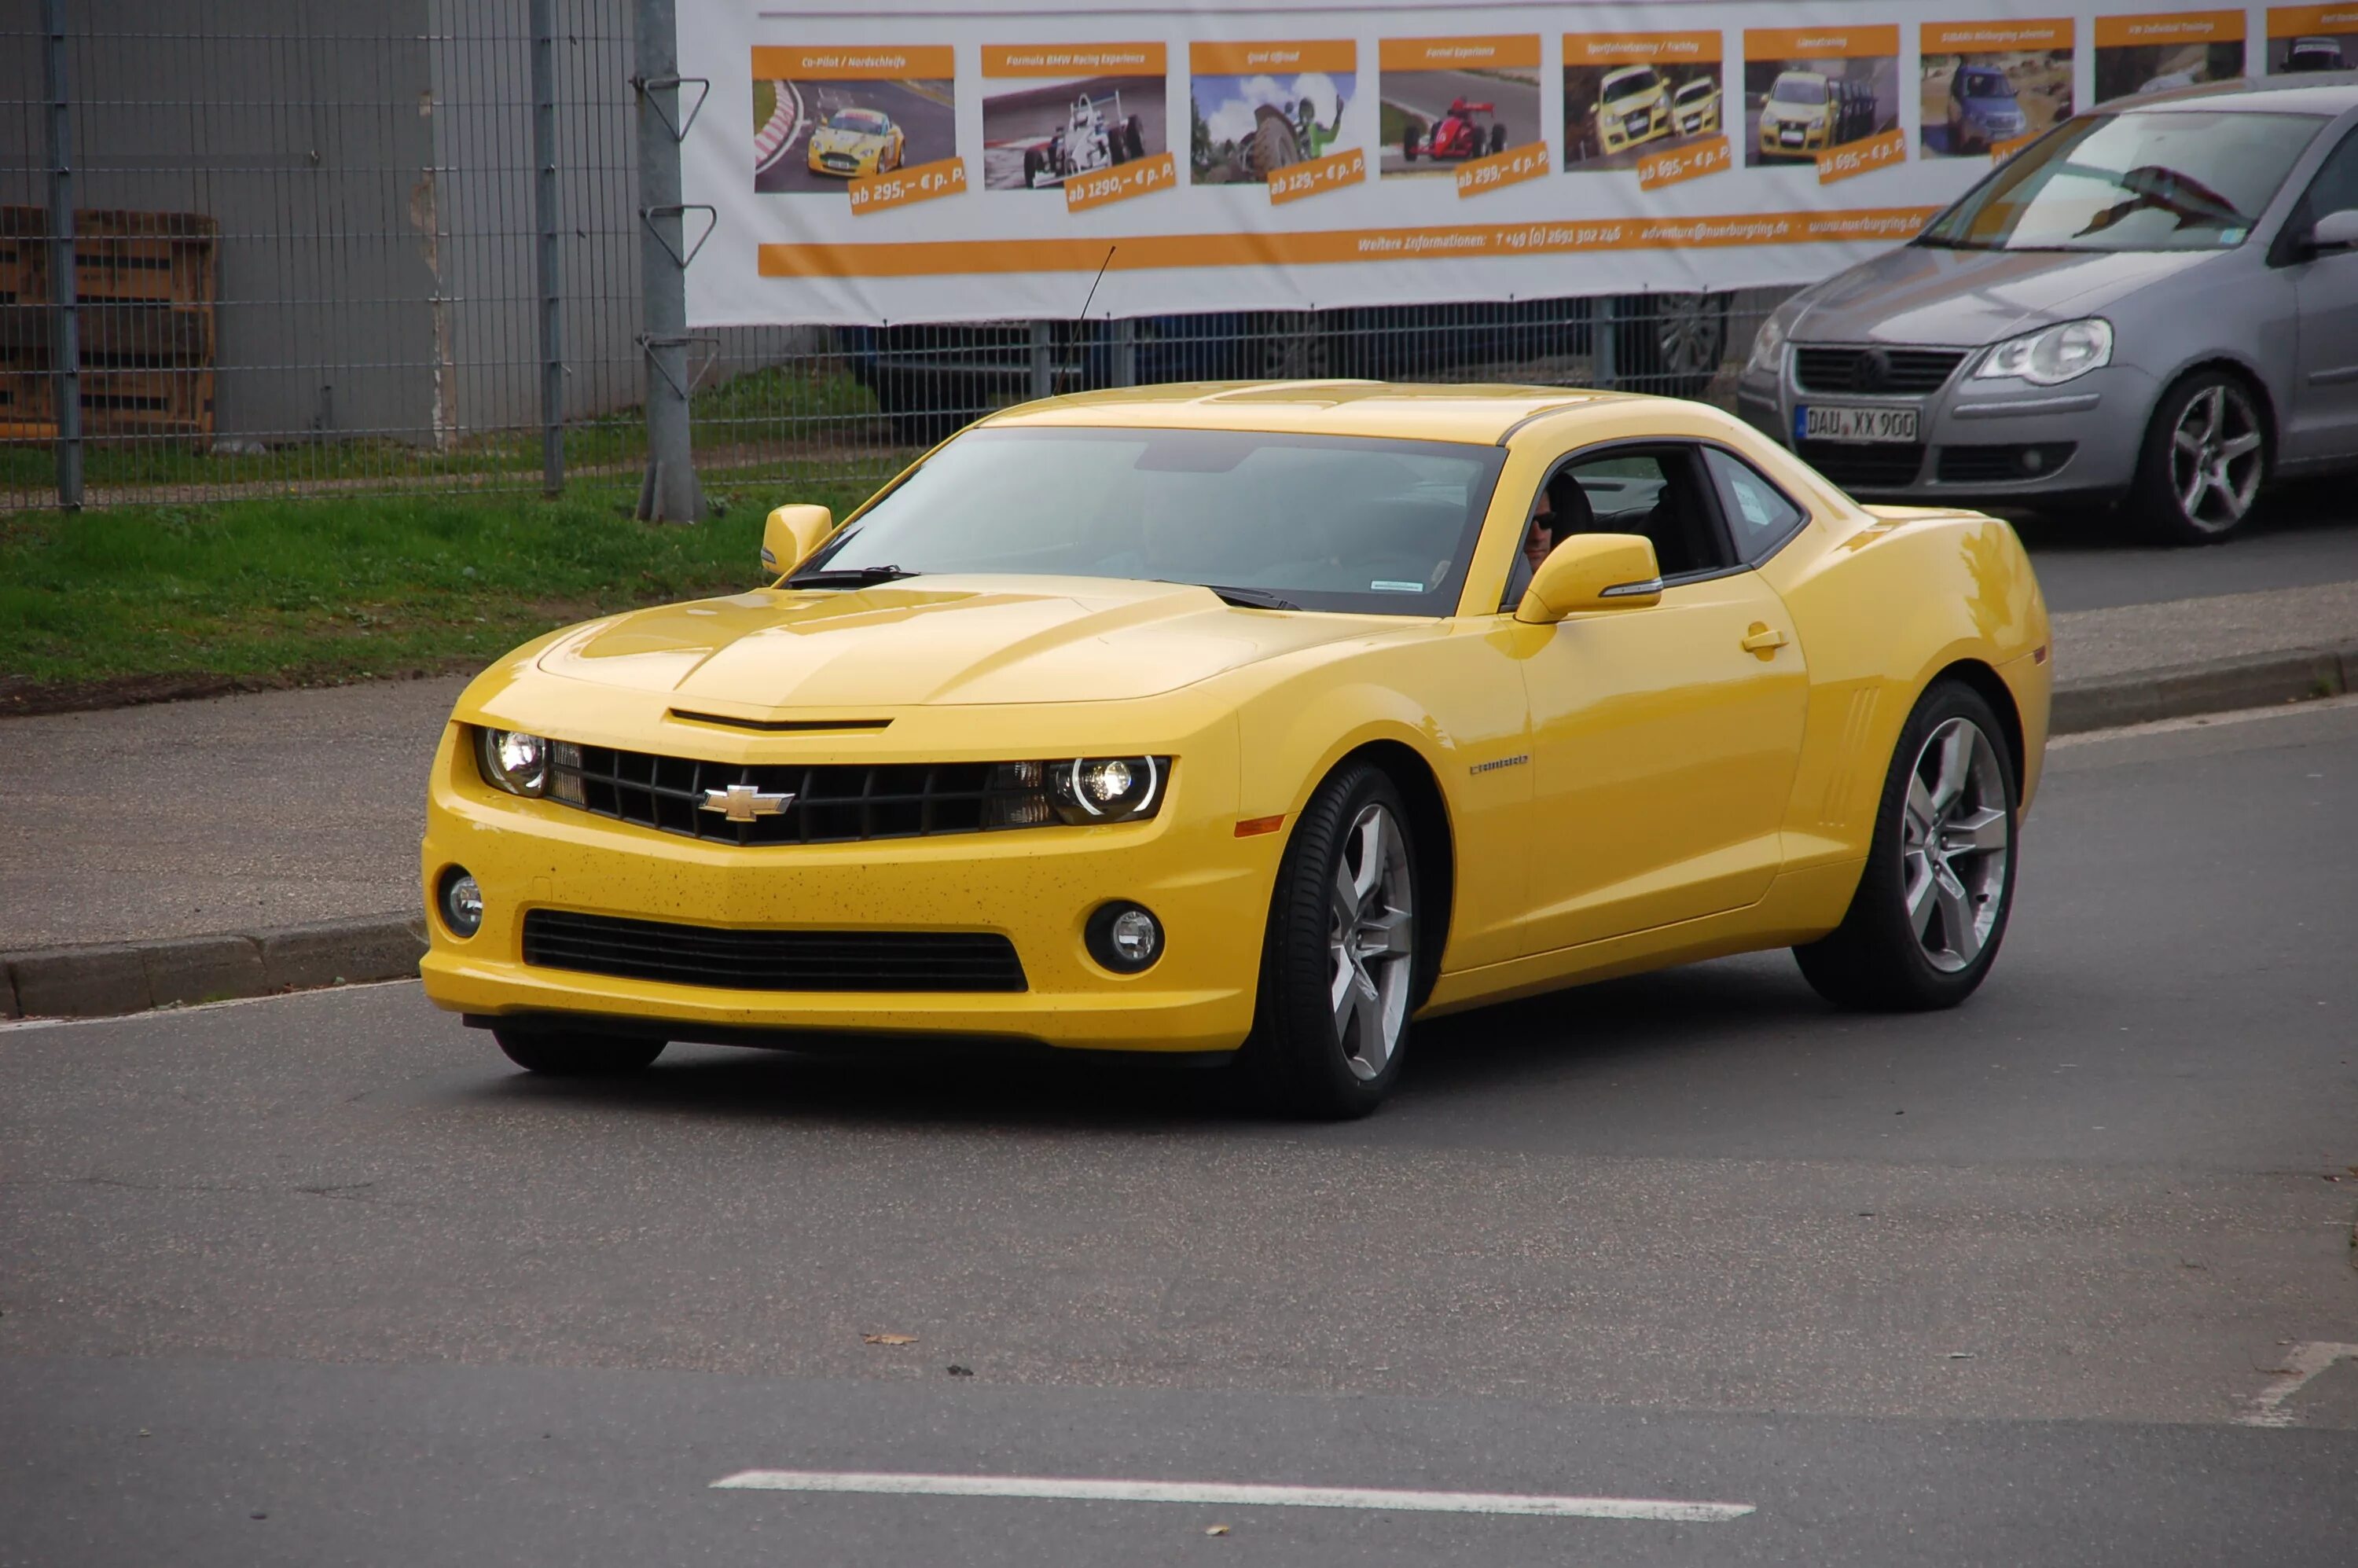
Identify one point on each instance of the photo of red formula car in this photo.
(1458, 134)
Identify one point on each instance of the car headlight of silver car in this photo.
(512, 761)
(1767, 356)
(2051, 355)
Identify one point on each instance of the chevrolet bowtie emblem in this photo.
(744, 801)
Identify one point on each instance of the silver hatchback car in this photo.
(2155, 304)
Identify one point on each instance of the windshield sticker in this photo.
(2232, 236)
(1396, 588)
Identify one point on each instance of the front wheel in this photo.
(2205, 457)
(568, 1053)
(1338, 965)
(1932, 901)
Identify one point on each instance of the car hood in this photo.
(1920, 293)
(941, 641)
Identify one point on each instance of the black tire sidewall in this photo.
(1292, 1053)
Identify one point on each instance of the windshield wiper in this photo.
(1247, 598)
(848, 577)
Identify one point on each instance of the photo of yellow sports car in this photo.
(857, 141)
(1254, 722)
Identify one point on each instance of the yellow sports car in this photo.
(1632, 108)
(857, 141)
(1253, 720)
(1799, 114)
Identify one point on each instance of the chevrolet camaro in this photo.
(1252, 722)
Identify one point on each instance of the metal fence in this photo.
(299, 247)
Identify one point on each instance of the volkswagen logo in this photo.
(1871, 372)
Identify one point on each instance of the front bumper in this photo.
(1974, 437)
(1037, 886)
(1620, 138)
(1773, 143)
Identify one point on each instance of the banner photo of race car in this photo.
(1296, 155)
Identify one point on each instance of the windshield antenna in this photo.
(1095, 281)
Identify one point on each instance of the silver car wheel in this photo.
(1371, 940)
(1955, 838)
(1691, 333)
(2215, 458)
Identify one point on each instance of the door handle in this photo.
(1763, 640)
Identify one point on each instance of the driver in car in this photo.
(1547, 526)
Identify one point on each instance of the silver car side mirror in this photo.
(2335, 231)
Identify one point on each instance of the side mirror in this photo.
(790, 535)
(1593, 571)
(2334, 232)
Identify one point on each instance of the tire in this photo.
(1409, 144)
(1133, 139)
(565, 1053)
(1884, 958)
(1497, 140)
(1342, 921)
(1274, 147)
(2209, 441)
(1033, 164)
(1679, 344)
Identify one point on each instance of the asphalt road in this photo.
(318, 1279)
(2304, 536)
(1428, 94)
(930, 121)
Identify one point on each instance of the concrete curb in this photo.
(2182, 691)
(131, 977)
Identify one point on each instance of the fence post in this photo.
(668, 492)
(1043, 360)
(1604, 344)
(544, 204)
(65, 326)
(1125, 352)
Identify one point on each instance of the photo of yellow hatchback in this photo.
(1252, 722)
(1632, 108)
(855, 142)
(1799, 114)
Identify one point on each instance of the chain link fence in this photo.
(307, 257)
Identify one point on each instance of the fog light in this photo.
(1124, 937)
(462, 902)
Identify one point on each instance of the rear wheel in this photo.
(571, 1054)
(1497, 140)
(2205, 458)
(1338, 965)
(1669, 344)
(1932, 901)
(1133, 139)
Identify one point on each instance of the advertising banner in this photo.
(942, 161)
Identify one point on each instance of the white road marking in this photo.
(2301, 1362)
(1228, 1494)
(2202, 721)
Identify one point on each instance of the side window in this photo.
(2335, 189)
(1660, 492)
(1757, 514)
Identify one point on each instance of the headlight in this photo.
(512, 761)
(2051, 355)
(1767, 356)
(1106, 789)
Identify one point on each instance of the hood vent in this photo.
(781, 726)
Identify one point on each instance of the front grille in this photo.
(832, 803)
(772, 960)
(1864, 465)
(2009, 461)
(1898, 371)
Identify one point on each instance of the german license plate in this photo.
(1825, 422)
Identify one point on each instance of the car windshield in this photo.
(2159, 180)
(1631, 85)
(1985, 85)
(1324, 523)
(1698, 88)
(867, 120)
(1798, 90)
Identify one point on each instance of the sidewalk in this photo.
(246, 844)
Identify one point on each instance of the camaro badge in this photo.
(744, 801)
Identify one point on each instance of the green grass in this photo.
(328, 589)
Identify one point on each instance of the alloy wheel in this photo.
(1691, 333)
(1955, 836)
(2215, 458)
(1371, 941)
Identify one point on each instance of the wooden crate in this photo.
(145, 285)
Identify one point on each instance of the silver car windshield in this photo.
(1315, 522)
(2176, 181)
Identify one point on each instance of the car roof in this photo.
(2324, 93)
(1477, 414)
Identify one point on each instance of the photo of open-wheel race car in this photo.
(1464, 131)
(1096, 135)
